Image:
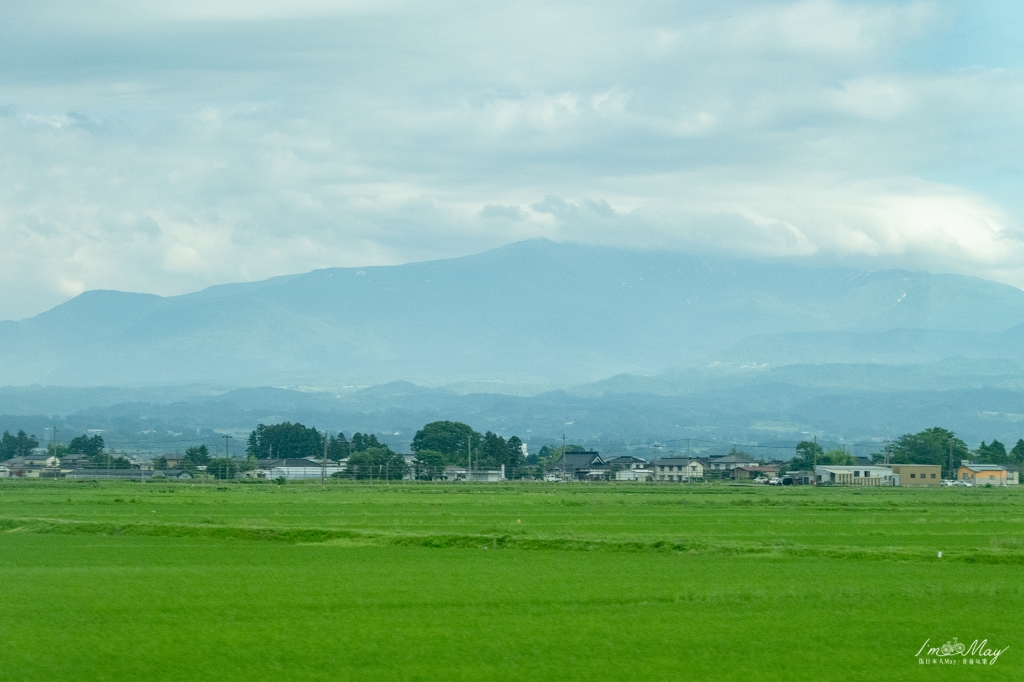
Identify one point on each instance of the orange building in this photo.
(982, 474)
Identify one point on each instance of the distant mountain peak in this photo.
(536, 312)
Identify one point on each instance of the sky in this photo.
(165, 147)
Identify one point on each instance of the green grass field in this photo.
(467, 582)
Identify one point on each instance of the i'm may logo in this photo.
(958, 653)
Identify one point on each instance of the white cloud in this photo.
(168, 147)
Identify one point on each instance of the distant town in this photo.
(453, 451)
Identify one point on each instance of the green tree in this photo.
(222, 468)
(994, 453)
(838, 457)
(57, 449)
(448, 438)
(429, 465)
(106, 461)
(931, 446)
(1017, 453)
(197, 455)
(285, 441)
(90, 447)
(338, 448)
(514, 461)
(376, 464)
(493, 451)
(554, 454)
(16, 446)
(808, 453)
(365, 441)
(160, 464)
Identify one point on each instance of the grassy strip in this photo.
(469, 541)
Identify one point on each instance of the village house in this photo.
(1012, 474)
(34, 466)
(579, 465)
(917, 474)
(722, 465)
(488, 475)
(174, 459)
(626, 462)
(41, 457)
(678, 469)
(633, 475)
(982, 474)
(798, 477)
(747, 473)
(74, 460)
(455, 473)
(855, 475)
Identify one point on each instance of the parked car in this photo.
(963, 484)
(946, 483)
(761, 479)
(775, 481)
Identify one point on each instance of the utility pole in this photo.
(951, 458)
(323, 468)
(469, 457)
(55, 447)
(563, 457)
(227, 458)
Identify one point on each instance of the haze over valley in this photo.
(614, 346)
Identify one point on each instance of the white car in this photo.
(761, 479)
(963, 484)
(775, 481)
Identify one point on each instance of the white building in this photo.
(678, 469)
(458, 473)
(302, 469)
(855, 475)
(633, 475)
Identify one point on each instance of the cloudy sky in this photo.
(170, 147)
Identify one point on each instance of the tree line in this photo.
(436, 445)
(367, 456)
(20, 445)
(931, 446)
(92, 447)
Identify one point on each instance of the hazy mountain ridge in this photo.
(894, 346)
(853, 403)
(532, 312)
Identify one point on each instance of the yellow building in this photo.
(982, 474)
(918, 474)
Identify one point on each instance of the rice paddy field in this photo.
(156, 581)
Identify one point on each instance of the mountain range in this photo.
(534, 313)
